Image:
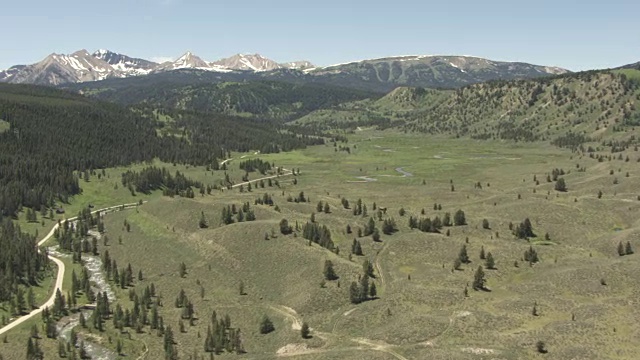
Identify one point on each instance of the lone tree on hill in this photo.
(266, 325)
(490, 263)
(203, 221)
(329, 273)
(459, 218)
(304, 330)
(561, 185)
(285, 228)
(478, 279)
(541, 347)
(463, 256)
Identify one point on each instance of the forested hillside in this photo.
(55, 135)
(594, 105)
(263, 99)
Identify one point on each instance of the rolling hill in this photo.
(596, 104)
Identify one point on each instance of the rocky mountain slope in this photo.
(381, 75)
(428, 71)
(81, 66)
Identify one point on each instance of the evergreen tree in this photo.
(446, 220)
(490, 263)
(482, 254)
(560, 185)
(354, 293)
(371, 225)
(329, 273)
(621, 251)
(266, 326)
(627, 249)
(463, 256)
(367, 268)
(375, 236)
(304, 330)
(541, 347)
(327, 208)
(459, 218)
(373, 291)
(457, 263)
(285, 228)
(357, 248)
(203, 221)
(478, 279)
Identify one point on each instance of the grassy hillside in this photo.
(580, 286)
(597, 105)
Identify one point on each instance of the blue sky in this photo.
(571, 34)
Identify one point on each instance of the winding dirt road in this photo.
(61, 269)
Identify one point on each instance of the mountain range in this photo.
(81, 66)
(383, 74)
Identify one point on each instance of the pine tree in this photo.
(31, 350)
(621, 249)
(457, 263)
(266, 326)
(446, 220)
(627, 249)
(478, 279)
(62, 351)
(541, 347)
(490, 263)
(354, 293)
(31, 299)
(375, 236)
(367, 268)
(373, 292)
(463, 256)
(560, 185)
(285, 229)
(329, 273)
(482, 254)
(459, 218)
(304, 330)
(357, 248)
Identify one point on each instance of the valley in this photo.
(420, 310)
(271, 219)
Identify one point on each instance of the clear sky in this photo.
(576, 35)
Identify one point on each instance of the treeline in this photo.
(255, 165)
(20, 263)
(320, 235)
(53, 133)
(54, 136)
(72, 236)
(264, 99)
(154, 178)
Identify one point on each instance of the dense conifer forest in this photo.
(53, 135)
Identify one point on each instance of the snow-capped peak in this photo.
(247, 62)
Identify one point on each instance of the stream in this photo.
(93, 264)
(366, 179)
